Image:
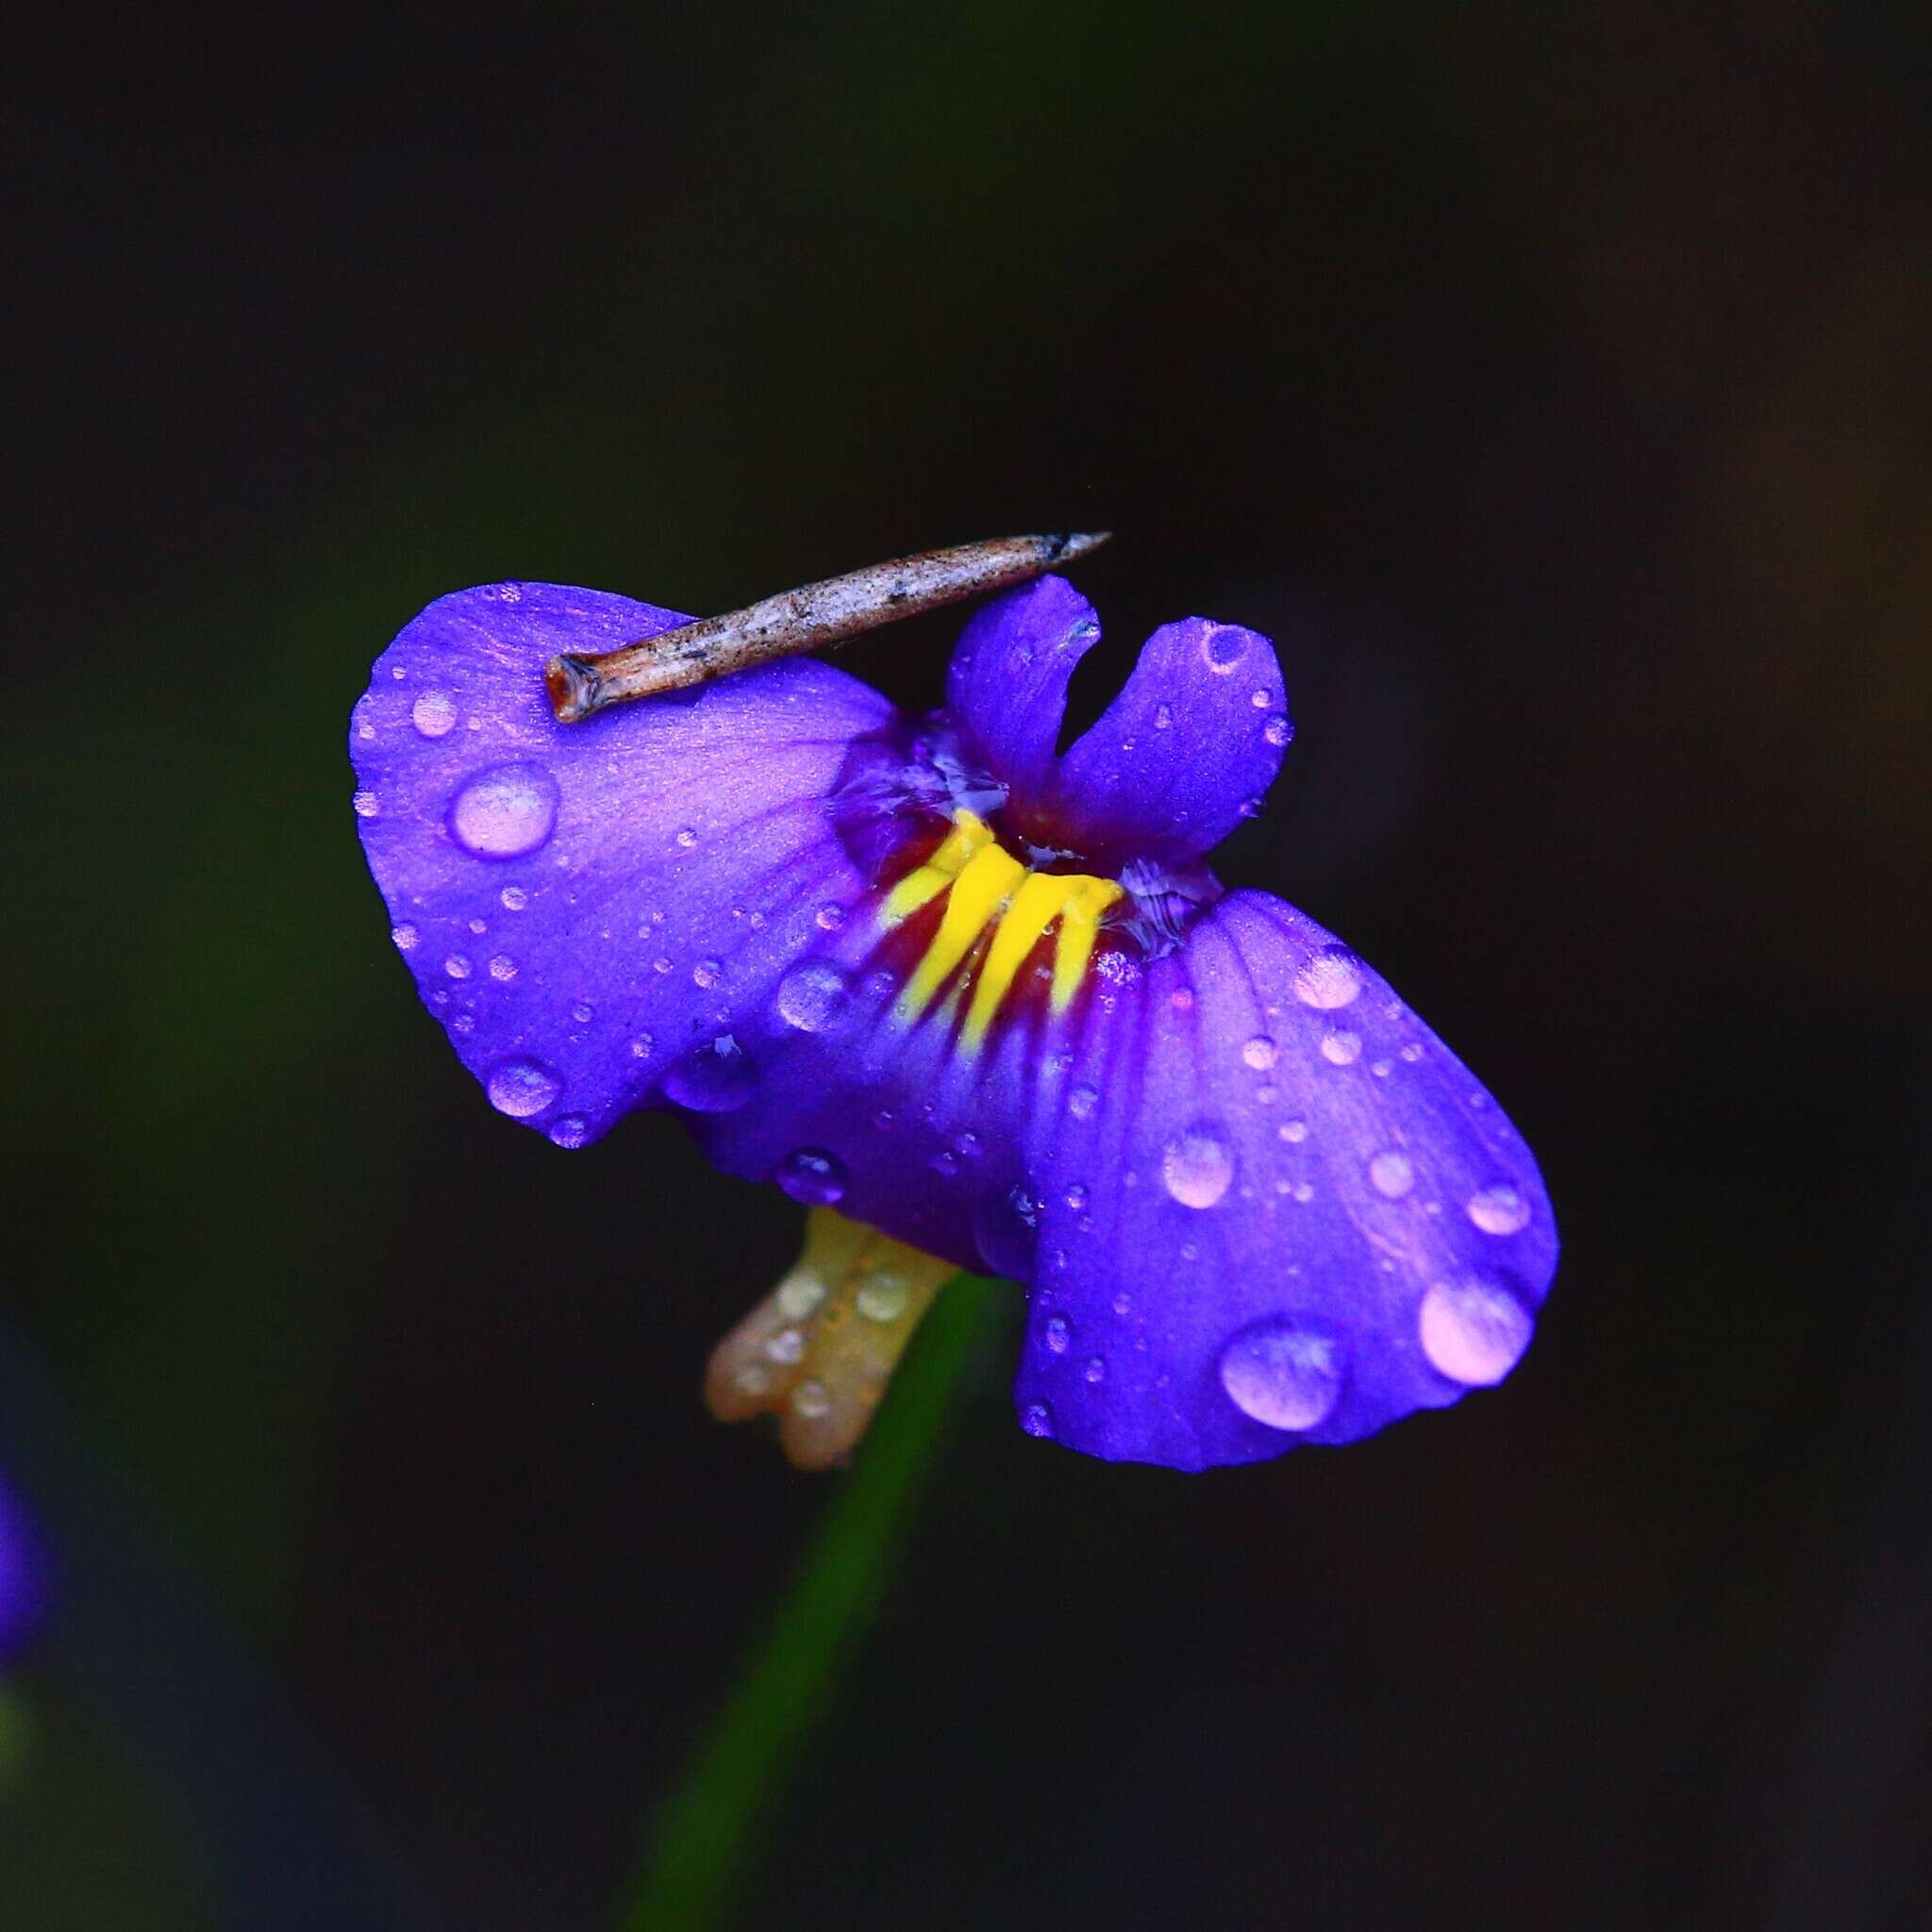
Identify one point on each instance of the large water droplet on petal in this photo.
(434, 714)
(714, 1079)
(813, 1176)
(506, 811)
(1058, 1334)
(1037, 1420)
(569, 1130)
(521, 1088)
(1197, 1166)
(1284, 1372)
(1261, 1053)
(1328, 979)
(1342, 1048)
(1007, 1226)
(1391, 1174)
(813, 996)
(1223, 647)
(1474, 1330)
(1499, 1210)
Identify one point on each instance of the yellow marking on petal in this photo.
(969, 835)
(991, 891)
(1042, 900)
(1079, 929)
(979, 896)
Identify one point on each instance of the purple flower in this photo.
(984, 998)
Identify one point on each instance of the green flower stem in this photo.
(702, 1844)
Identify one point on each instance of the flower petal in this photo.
(583, 905)
(1289, 1215)
(1008, 686)
(1183, 753)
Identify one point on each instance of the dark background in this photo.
(1556, 393)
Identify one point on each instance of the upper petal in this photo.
(1291, 1214)
(1008, 686)
(582, 905)
(1183, 753)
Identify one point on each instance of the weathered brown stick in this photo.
(806, 618)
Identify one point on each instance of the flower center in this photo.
(996, 912)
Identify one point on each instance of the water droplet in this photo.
(714, 1079)
(686, 837)
(1082, 1102)
(434, 714)
(1163, 717)
(1284, 1372)
(1096, 1370)
(1328, 979)
(506, 811)
(945, 1164)
(830, 918)
(1260, 699)
(1250, 807)
(1293, 1130)
(883, 1297)
(811, 1400)
(707, 973)
(1302, 1192)
(788, 1345)
(797, 1298)
(1391, 1174)
(1197, 1166)
(661, 963)
(572, 1131)
(521, 1087)
(1223, 647)
(514, 898)
(503, 967)
(1499, 1210)
(405, 937)
(1473, 1330)
(366, 804)
(641, 1047)
(1412, 1052)
(1058, 1334)
(811, 1175)
(812, 996)
(479, 926)
(1037, 1420)
(458, 967)
(1076, 1197)
(583, 1012)
(1342, 1048)
(1007, 1225)
(1261, 1053)
(1084, 632)
(1276, 731)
